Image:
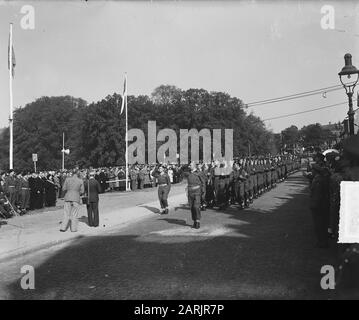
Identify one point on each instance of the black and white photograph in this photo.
(186, 152)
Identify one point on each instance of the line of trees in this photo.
(313, 135)
(95, 133)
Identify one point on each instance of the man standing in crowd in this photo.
(74, 188)
(92, 189)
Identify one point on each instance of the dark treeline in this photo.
(95, 133)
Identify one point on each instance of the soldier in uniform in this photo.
(238, 185)
(235, 182)
(11, 187)
(260, 170)
(254, 179)
(210, 196)
(141, 177)
(24, 192)
(246, 180)
(134, 178)
(249, 171)
(256, 175)
(164, 187)
(103, 180)
(202, 171)
(278, 169)
(228, 177)
(273, 173)
(221, 187)
(216, 181)
(268, 175)
(283, 169)
(194, 186)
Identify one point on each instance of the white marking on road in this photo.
(207, 231)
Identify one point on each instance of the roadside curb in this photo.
(17, 253)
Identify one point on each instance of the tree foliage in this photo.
(290, 136)
(95, 133)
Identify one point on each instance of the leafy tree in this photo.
(313, 135)
(166, 95)
(290, 136)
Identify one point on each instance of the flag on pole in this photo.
(11, 60)
(124, 96)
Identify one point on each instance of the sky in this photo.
(253, 50)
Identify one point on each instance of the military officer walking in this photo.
(164, 187)
(195, 183)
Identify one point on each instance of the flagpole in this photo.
(11, 101)
(125, 97)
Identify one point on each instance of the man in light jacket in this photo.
(74, 188)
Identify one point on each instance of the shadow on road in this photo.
(177, 221)
(246, 255)
(84, 219)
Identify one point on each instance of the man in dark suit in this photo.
(92, 189)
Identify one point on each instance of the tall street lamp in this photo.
(349, 85)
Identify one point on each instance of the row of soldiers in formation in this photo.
(243, 180)
(223, 183)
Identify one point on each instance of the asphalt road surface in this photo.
(264, 252)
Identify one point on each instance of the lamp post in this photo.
(345, 78)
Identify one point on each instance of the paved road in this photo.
(263, 252)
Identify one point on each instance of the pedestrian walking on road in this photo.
(93, 189)
(74, 188)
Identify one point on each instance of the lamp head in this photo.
(345, 74)
(348, 69)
